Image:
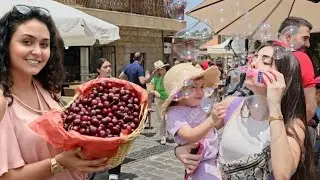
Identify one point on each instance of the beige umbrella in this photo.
(254, 19)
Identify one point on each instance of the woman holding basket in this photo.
(31, 75)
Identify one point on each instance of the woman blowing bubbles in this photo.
(281, 149)
(31, 75)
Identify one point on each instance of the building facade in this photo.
(145, 26)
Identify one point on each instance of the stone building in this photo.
(144, 26)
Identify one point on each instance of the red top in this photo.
(306, 67)
(205, 64)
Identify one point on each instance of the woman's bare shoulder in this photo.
(3, 105)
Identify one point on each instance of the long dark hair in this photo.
(52, 75)
(100, 62)
(293, 107)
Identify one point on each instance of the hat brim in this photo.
(159, 68)
(211, 78)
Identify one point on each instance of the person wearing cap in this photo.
(185, 118)
(157, 89)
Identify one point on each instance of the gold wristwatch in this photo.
(56, 168)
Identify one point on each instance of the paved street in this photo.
(149, 160)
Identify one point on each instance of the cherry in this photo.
(103, 112)
(102, 133)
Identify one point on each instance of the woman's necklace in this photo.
(41, 111)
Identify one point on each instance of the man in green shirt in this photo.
(156, 88)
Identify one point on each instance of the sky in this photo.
(191, 21)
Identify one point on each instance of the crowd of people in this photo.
(31, 76)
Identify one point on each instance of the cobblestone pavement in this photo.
(148, 159)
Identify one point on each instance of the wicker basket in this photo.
(125, 147)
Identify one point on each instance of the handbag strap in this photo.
(234, 104)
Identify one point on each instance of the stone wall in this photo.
(148, 41)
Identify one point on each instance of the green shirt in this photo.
(158, 84)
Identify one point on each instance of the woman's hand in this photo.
(71, 160)
(190, 161)
(275, 87)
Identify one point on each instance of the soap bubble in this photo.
(187, 41)
(279, 52)
(258, 107)
(221, 15)
(176, 8)
(187, 83)
(289, 33)
(265, 32)
(207, 104)
(185, 49)
(254, 121)
(209, 100)
(186, 89)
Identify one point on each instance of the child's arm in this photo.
(193, 135)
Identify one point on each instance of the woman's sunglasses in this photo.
(24, 9)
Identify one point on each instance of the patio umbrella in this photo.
(76, 27)
(254, 19)
(220, 49)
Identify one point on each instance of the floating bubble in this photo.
(187, 41)
(265, 26)
(266, 37)
(238, 44)
(278, 52)
(254, 121)
(176, 8)
(265, 32)
(176, 97)
(257, 107)
(206, 34)
(187, 83)
(209, 100)
(186, 93)
(221, 15)
(237, 7)
(186, 49)
(290, 33)
(206, 104)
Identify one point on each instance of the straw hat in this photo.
(158, 65)
(175, 77)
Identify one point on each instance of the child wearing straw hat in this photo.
(185, 118)
(156, 88)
